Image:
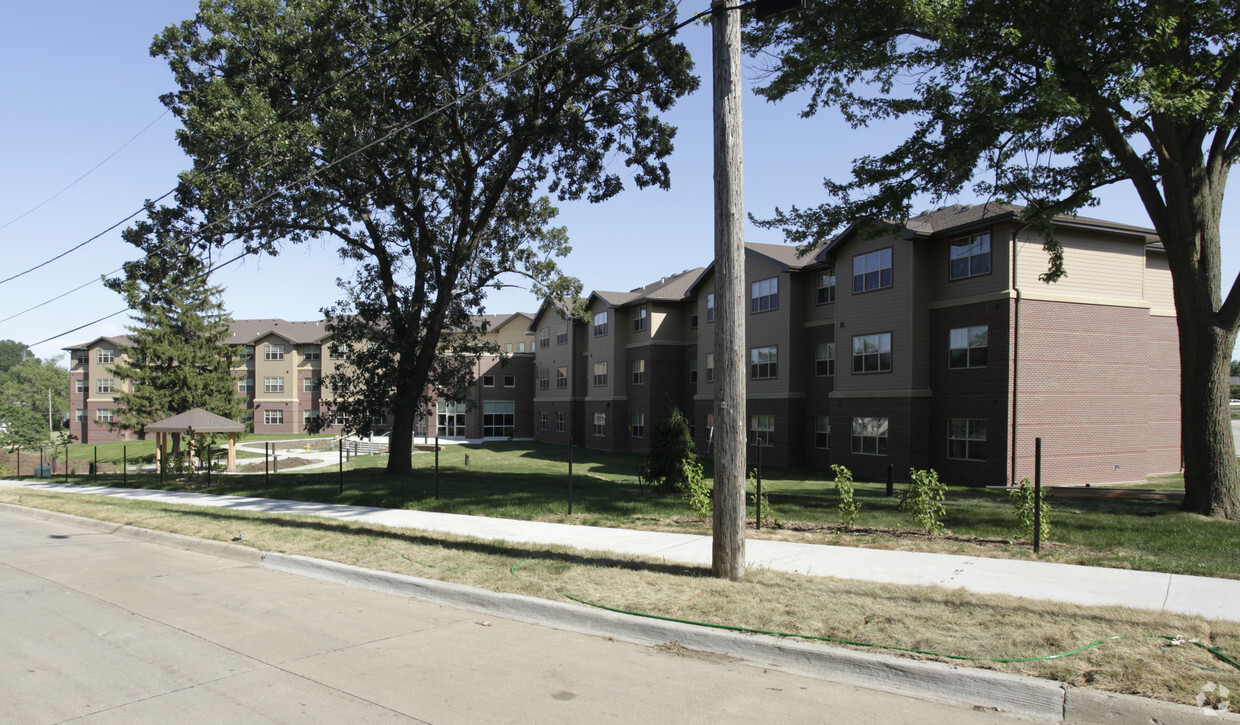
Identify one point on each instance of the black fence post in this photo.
(95, 470)
(341, 471)
(1037, 495)
(891, 488)
(124, 465)
(436, 463)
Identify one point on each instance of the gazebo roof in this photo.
(197, 419)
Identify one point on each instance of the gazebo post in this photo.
(232, 452)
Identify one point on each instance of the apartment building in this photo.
(931, 344)
(279, 367)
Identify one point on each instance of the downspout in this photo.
(1015, 350)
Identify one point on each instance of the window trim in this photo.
(819, 360)
(561, 377)
(710, 367)
(890, 354)
(273, 352)
(639, 371)
(311, 351)
(269, 413)
(273, 387)
(544, 338)
(768, 370)
(951, 276)
(710, 307)
(968, 349)
(637, 425)
(761, 300)
(830, 289)
(880, 441)
(600, 379)
(600, 328)
(640, 319)
(599, 426)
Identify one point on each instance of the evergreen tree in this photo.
(671, 445)
(177, 359)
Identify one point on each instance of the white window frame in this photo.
(245, 385)
(600, 425)
(273, 416)
(104, 415)
(710, 307)
(274, 384)
(760, 429)
(637, 425)
(710, 367)
(106, 355)
(822, 432)
(310, 385)
(105, 385)
(273, 351)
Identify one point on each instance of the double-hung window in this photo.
(763, 362)
(560, 424)
(760, 429)
(104, 385)
(640, 316)
(869, 436)
(273, 417)
(106, 355)
(245, 385)
(693, 371)
(764, 295)
(970, 256)
(968, 347)
(273, 352)
(639, 372)
(312, 352)
(309, 385)
(710, 367)
(561, 377)
(824, 359)
(872, 353)
(600, 324)
(872, 271)
(638, 425)
(710, 307)
(81, 385)
(966, 439)
(273, 385)
(600, 373)
(822, 431)
(826, 286)
(561, 333)
(600, 423)
(544, 337)
(544, 378)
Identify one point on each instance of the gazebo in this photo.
(196, 422)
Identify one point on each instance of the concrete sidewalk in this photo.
(1202, 596)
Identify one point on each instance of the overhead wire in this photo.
(405, 127)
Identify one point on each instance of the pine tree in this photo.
(177, 359)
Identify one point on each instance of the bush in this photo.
(924, 498)
(849, 506)
(670, 446)
(1023, 499)
(697, 490)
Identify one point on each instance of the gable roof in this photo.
(672, 288)
(246, 332)
(787, 256)
(117, 340)
(564, 307)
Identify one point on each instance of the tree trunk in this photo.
(400, 440)
(1211, 474)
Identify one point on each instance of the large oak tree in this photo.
(1044, 103)
(418, 134)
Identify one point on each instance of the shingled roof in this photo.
(199, 420)
(667, 289)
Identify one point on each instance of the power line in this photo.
(92, 169)
(259, 134)
(61, 295)
(401, 128)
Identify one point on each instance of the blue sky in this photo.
(79, 83)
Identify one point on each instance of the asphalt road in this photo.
(107, 629)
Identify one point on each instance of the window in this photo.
(968, 347)
(309, 418)
(560, 424)
(378, 420)
(826, 286)
(312, 352)
(693, 321)
(310, 385)
(763, 363)
(966, 439)
(760, 429)
(508, 347)
(561, 333)
(338, 351)
(544, 378)
(693, 371)
(600, 324)
(639, 372)
(764, 295)
(710, 367)
(273, 385)
(521, 347)
(710, 307)
(600, 373)
(81, 416)
(822, 431)
(970, 256)
(451, 419)
(103, 415)
(273, 417)
(561, 377)
(81, 357)
(488, 381)
(498, 418)
(824, 359)
(544, 337)
(103, 385)
(273, 352)
(247, 353)
(106, 355)
(869, 436)
(510, 381)
(340, 418)
(872, 353)
(245, 385)
(600, 422)
(872, 271)
(81, 385)
(639, 319)
(542, 420)
(638, 426)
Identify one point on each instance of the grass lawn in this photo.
(950, 623)
(525, 480)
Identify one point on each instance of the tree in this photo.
(1045, 103)
(22, 426)
(11, 353)
(670, 447)
(177, 360)
(26, 385)
(418, 135)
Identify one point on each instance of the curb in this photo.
(950, 684)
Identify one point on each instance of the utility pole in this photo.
(49, 413)
(728, 549)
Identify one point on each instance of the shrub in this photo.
(924, 498)
(697, 490)
(1023, 499)
(849, 506)
(670, 447)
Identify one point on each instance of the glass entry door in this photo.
(451, 420)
